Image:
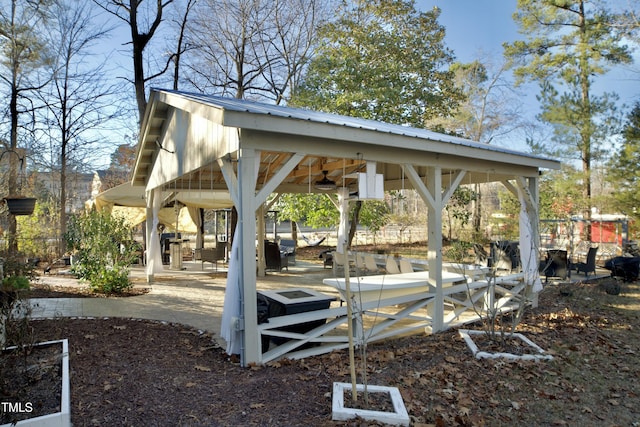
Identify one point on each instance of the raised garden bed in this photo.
(47, 363)
(521, 349)
(393, 414)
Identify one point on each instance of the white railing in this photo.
(378, 319)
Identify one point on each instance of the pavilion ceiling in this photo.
(323, 142)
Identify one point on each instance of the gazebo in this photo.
(199, 144)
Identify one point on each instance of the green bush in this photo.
(14, 304)
(15, 283)
(115, 280)
(38, 237)
(103, 249)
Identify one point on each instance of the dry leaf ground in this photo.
(142, 373)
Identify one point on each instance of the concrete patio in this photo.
(193, 296)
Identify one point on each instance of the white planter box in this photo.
(539, 354)
(57, 419)
(398, 417)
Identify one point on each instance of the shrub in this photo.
(103, 248)
(15, 308)
(15, 283)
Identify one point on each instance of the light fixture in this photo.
(325, 184)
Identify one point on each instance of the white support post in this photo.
(154, 256)
(149, 242)
(434, 229)
(262, 264)
(527, 189)
(247, 175)
(535, 228)
(432, 194)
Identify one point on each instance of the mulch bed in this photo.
(20, 370)
(133, 372)
(40, 290)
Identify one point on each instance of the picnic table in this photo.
(384, 286)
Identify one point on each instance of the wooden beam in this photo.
(230, 178)
(452, 186)
(277, 178)
(419, 186)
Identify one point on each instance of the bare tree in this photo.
(491, 109)
(251, 48)
(293, 44)
(79, 99)
(23, 56)
(182, 44)
(143, 20)
(229, 35)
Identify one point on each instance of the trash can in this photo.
(176, 255)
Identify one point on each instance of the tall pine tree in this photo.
(569, 43)
(625, 167)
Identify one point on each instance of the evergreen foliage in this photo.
(104, 249)
(381, 60)
(568, 45)
(625, 166)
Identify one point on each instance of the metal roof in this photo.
(252, 107)
(336, 143)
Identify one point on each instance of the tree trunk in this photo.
(354, 221)
(13, 159)
(294, 231)
(62, 227)
(586, 131)
(477, 215)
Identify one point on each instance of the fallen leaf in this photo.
(202, 368)
(614, 402)
(515, 405)
(190, 384)
(386, 356)
(256, 405)
(89, 336)
(120, 327)
(408, 381)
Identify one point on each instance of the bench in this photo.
(212, 255)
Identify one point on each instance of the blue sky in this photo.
(475, 27)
